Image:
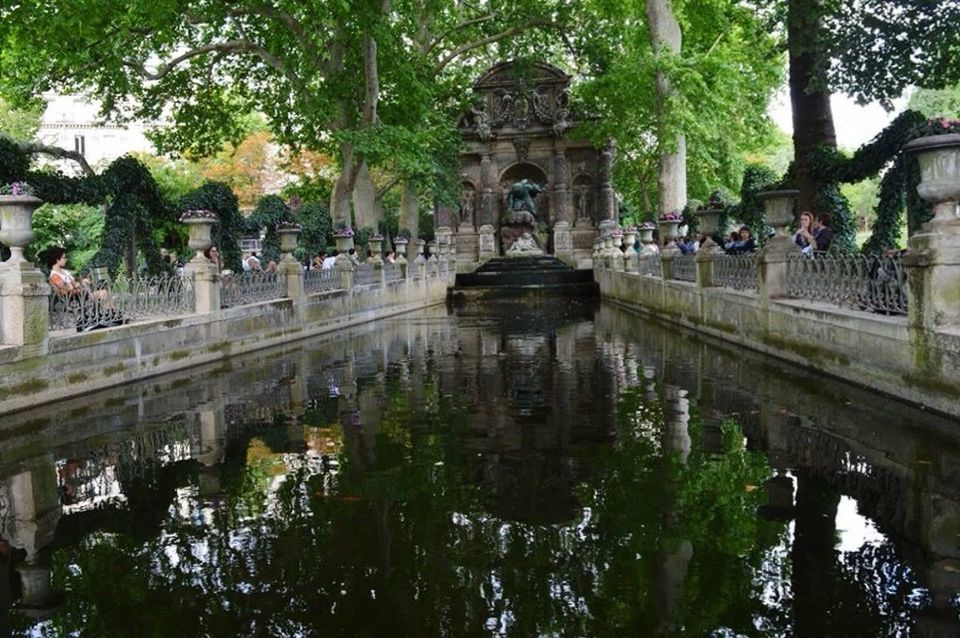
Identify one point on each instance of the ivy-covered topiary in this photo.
(230, 226)
(749, 211)
(270, 211)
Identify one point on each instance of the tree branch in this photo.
(383, 190)
(33, 148)
(461, 25)
(476, 44)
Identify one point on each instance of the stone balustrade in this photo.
(160, 325)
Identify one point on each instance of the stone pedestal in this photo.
(772, 268)
(206, 284)
(933, 256)
(467, 248)
(705, 261)
(24, 307)
(563, 243)
(487, 243)
(344, 268)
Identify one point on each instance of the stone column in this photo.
(705, 261)
(563, 242)
(488, 200)
(933, 258)
(608, 201)
(24, 292)
(487, 243)
(561, 200)
(773, 258)
(205, 274)
(344, 267)
(290, 268)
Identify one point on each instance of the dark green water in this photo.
(545, 471)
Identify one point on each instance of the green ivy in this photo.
(749, 211)
(231, 225)
(270, 211)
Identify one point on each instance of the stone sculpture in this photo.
(520, 198)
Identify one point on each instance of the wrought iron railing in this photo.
(864, 282)
(365, 275)
(735, 271)
(113, 302)
(392, 272)
(685, 268)
(649, 265)
(251, 287)
(321, 280)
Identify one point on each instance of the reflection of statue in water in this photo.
(520, 197)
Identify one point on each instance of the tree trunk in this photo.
(366, 209)
(812, 116)
(410, 216)
(672, 183)
(343, 188)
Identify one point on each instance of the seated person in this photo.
(744, 243)
(329, 262)
(822, 233)
(62, 282)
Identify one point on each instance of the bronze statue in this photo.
(521, 194)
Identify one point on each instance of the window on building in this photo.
(80, 144)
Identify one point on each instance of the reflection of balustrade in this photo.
(863, 282)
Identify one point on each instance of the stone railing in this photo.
(862, 282)
(117, 301)
(736, 271)
(365, 275)
(649, 265)
(320, 280)
(685, 268)
(251, 287)
(392, 272)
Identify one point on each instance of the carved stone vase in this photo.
(200, 226)
(778, 209)
(16, 223)
(289, 234)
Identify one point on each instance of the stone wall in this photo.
(879, 352)
(79, 363)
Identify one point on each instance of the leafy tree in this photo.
(937, 102)
(317, 232)
(20, 123)
(76, 227)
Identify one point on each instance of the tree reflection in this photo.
(335, 539)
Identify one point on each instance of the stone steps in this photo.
(523, 277)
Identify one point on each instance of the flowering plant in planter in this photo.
(673, 216)
(647, 225)
(404, 234)
(344, 231)
(17, 188)
(288, 225)
(939, 126)
(713, 203)
(197, 213)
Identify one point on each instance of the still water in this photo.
(521, 471)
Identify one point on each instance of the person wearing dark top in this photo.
(743, 245)
(822, 233)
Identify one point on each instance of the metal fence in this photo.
(392, 272)
(365, 275)
(113, 302)
(735, 271)
(251, 287)
(864, 282)
(321, 280)
(649, 265)
(685, 268)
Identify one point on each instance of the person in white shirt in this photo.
(329, 261)
(251, 263)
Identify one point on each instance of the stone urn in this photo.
(434, 254)
(669, 230)
(374, 246)
(646, 234)
(629, 239)
(778, 209)
(939, 158)
(344, 240)
(421, 244)
(400, 246)
(200, 226)
(709, 219)
(16, 223)
(289, 233)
